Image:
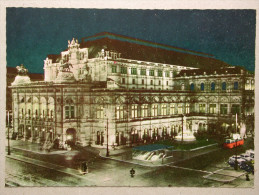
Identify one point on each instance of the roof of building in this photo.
(213, 71)
(132, 48)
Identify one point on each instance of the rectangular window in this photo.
(160, 73)
(187, 108)
(180, 109)
(133, 81)
(143, 72)
(151, 82)
(134, 111)
(159, 82)
(235, 85)
(119, 112)
(69, 112)
(134, 71)
(172, 109)
(212, 108)
(143, 82)
(123, 70)
(167, 74)
(223, 109)
(167, 83)
(123, 81)
(99, 112)
(154, 110)
(151, 73)
(235, 109)
(72, 112)
(163, 109)
(144, 110)
(202, 108)
(114, 68)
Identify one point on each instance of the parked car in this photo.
(232, 159)
(251, 153)
(246, 156)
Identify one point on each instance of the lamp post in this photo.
(182, 127)
(236, 145)
(107, 151)
(8, 121)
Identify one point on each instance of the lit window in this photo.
(172, 109)
(180, 109)
(119, 112)
(212, 108)
(99, 112)
(134, 111)
(202, 108)
(187, 108)
(154, 110)
(163, 109)
(144, 110)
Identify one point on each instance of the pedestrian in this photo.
(84, 168)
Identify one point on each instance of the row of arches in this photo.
(211, 86)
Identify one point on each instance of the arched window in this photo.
(224, 86)
(202, 86)
(236, 85)
(213, 86)
(192, 87)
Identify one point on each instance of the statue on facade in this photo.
(22, 77)
(65, 67)
(22, 71)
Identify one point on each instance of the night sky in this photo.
(32, 33)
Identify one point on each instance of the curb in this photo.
(40, 164)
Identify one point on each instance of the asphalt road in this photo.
(106, 172)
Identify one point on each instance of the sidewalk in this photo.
(32, 147)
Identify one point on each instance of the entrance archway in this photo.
(71, 136)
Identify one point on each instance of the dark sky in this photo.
(32, 33)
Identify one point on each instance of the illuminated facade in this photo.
(137, 101)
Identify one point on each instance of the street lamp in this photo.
(182, 127)
(8, 121)
(236, 165)
(107, 148)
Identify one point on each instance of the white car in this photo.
(232, 160)
(246, 156)
(251, 153)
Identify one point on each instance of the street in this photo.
(40, 170)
